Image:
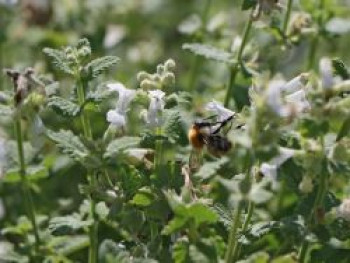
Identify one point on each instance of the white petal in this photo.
(159, 94)
(138, 153)
(115, 118)
(221, 112)
(326, 71)
(114, 34)
(274, 99)
(295, 84)
(125, 95)
(283, 156)
(299, 101)
(269, 171)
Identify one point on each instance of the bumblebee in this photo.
(205, 133)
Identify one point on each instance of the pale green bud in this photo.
(142, 75)
(306, 186)
(168, 79)
(170, 65)
(160, 69)
(148, 84)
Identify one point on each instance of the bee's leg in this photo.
(195, 160)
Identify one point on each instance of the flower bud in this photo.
(170, 65)
(160, 69)
(68, 51)
(84, 52)
(148, 84)
(168, 79)
(142, 75)
(83, 43)
(306, 186)
(343, 210)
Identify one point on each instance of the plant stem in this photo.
(28, 199)
(232, 240)
(246, 223)
(158, 153)
(234, 69)
(314, 43)
(287, 17)
(93, 229)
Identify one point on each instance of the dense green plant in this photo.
(105, 167)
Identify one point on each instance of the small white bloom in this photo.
(343, 210)
(153, 116)
(125, 96)
(114, 34)
(115, 118)
(221, 112)
(37, 131)
(269, 169)
(326, 71)
(286, 99)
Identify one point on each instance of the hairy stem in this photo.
(158, 152)
(246, 223)
(232, 239)
(93, 229)
(287, 17)
(235, 68)
(28, 199)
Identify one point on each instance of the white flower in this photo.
(125, 96)
(326, 71)
(117, 117)
(37, 131)
(287, 98)
(153, 116)
(221, 112)
(114, 34)
(269, 169)
(343, 210)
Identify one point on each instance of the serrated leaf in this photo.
(344, 130)
(59, 60)
(120, 144)
(99, 65)
(33, 173)
(67, 224)
(225, 215)
(209, 52)
(63, 106)
(69, 144)
(173, 126)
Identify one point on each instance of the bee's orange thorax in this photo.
(195, 137)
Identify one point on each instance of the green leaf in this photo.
(181, 251)
(202, 214)
(9, 255)
(225, 215)
(209, 169)
(120, 144)
(67, 224)
(173, 127)
(33, 173)
(67, 245)
(59, 59)
(63, 106)
(100, 65)
(340, 68)
(144, 197)
(247, 4)
(175, 225)
(209, 52)
(69, 144)
(344, 130)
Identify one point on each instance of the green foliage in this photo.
(100, 65)
(63, 106)
(118, 145)
(59, 60)
(209, 52)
